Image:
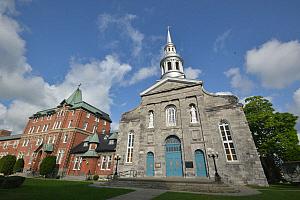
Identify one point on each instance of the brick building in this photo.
(56, 131)
(8, 143)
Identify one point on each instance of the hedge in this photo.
(48, 165)
(7, 164)
(19, 165)
(11, 181)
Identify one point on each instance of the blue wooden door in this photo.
(173, 157)
(200, 163)
(150, 164)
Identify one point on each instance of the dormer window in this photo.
(85, 144)
(111, 142)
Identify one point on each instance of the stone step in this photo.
(178, 185)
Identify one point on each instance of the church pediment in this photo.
(168, 84)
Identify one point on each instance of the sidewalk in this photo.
(147, 194)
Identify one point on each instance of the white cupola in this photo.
(171, 64)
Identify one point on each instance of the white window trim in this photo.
(60, 155)
(171, 116)
(77, 163)
(65, 140)
(228, 141)
(130, 143)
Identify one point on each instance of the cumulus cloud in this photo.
(192, 73)
(125, 24)
(26, 93)
(239, 82)
(143, 73)
(223, 93)
(219, 43)
(276, 63)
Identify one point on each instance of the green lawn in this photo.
(35, 189)
(274, 192)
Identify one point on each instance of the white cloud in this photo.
(276, 63)
(143, 73)
(219, 43)
(125, 24)
(239, 82)
(27, 93)
(223, 93)
(192, 73)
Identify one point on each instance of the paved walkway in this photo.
(147, 194)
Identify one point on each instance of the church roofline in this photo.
(169, 79)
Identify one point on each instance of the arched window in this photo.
(177, 65)
(193, 113)
(227, 141)
(169, 66)
(171, 116)
(130, 147)
(151, 119)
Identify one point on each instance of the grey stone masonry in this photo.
(204, 134)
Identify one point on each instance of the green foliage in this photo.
(7, 163)
(19, 165)
(95, 177)
(274, 134)
(47, 167)
(11, 182)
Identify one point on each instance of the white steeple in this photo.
(171, 64)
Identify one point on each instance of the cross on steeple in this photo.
(79, 85)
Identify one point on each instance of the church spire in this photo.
(169, 39)
(171, 64)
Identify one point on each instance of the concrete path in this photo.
(147, 194)
(139, 193)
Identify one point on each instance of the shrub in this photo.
(12, 182)
(7, 164)
(95, 177)
(19, 165)
(47, 167)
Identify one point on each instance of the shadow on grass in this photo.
(56, 189)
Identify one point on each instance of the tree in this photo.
(274, 135)
(47, 167)
(19, 165)
(7, 164)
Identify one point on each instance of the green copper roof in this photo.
(90, 153)
(75, 101)
(76, 97)
(94, 138)
(113, 136)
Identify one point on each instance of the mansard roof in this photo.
(10, 137)
(75, 102)
(103, 145)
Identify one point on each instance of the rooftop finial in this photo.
(79, 85)
(169, 40)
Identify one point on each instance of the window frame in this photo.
(227, 140)
(130, 143)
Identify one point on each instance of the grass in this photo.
(274, 192)
(35, 189)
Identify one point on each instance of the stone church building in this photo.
(178, 126)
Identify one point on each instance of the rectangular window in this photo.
(85, 125)
(70, 124)
(5, 145)
(16, 143)
(94, 129)
(104, 163)
(228, 142)
(65, 138)
(88, 115)
(38, 128)
(60, 156)
(130, 147)
(104, 122)
(97, 119)
(109, 159)
(77, 163)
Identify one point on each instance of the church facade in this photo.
(179, 126)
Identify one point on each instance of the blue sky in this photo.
(114, 47)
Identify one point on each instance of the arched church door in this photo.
(200, 163)
(150, 164)
(173, 157)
